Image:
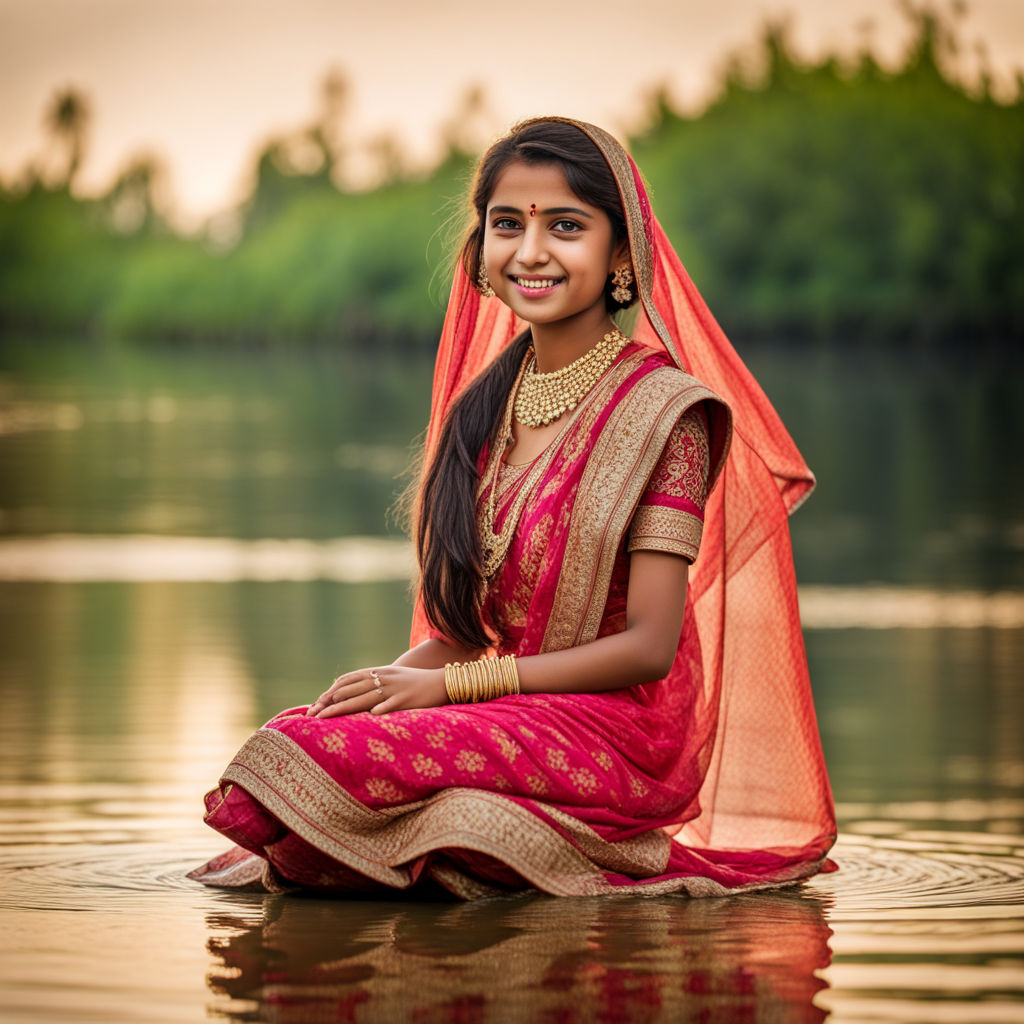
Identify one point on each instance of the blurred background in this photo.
(224, 235)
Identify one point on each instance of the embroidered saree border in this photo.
(595, 400)
(613, 482)
(640, 245)
(276, 771)
(660, 528)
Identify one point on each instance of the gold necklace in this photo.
(495, 545)
(544, 397)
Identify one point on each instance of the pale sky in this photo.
(202, 82)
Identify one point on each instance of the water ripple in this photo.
(96, 876)
(925, 878)
(917, 877)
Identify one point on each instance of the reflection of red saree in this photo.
(526, 960)
(707, 781)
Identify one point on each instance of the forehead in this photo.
(521, 184)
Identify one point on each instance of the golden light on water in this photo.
(379, 559)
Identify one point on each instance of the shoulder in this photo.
(661, 395)
(657, 385)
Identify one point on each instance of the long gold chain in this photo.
(496, 544)
(544, 397)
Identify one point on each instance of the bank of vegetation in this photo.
(822, 202)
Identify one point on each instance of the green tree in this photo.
(67, 119)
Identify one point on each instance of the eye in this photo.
(566, 227)
(505, 224)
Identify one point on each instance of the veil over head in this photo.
(765, 787)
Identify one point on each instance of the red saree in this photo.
(706, 781)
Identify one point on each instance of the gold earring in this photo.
(483, 283)
(622, 279)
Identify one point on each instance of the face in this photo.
(548, 254)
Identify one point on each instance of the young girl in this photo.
(580, 712)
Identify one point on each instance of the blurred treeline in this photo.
(814, 201)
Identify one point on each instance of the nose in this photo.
(532, 249)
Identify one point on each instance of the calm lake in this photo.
(190, 542)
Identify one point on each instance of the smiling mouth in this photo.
(537, 283)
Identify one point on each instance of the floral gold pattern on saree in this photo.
(383, 845)
(684, 470)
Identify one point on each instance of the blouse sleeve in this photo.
(670, 516)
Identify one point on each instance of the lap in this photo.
(525, 745)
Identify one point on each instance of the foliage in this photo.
(825, 202)
(811, 201)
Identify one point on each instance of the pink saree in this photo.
(708, 781)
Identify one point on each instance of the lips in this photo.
(536, 285)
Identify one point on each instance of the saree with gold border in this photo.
(568, 794)
(707, 781)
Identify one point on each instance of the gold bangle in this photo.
(487, 671)
(465, 687)
(451, 683)
(509, 675)
(479, 681)
(456, 683)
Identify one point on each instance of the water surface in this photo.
(187, 545)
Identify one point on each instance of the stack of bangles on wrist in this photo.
(481, 680)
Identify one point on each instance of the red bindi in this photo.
(533, 209)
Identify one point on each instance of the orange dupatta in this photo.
(766, 786)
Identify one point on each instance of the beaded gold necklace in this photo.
(544, 397)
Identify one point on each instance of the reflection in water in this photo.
(921, 928)
(122, 695)
(922, 728)
(120, 702)
(140, 559)
(750, 958)
(914, 460)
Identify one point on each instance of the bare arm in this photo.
(641, 653)
(434, 654)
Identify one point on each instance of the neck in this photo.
(557, 345)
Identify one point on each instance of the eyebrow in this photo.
(547, 213)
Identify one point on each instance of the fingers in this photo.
(386, 705)
(328, 696)
(355, 691)
(350, 707)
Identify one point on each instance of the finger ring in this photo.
(376, 682)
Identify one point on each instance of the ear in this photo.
(620, 255)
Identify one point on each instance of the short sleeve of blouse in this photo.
(670, 516)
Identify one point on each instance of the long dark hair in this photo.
(447, 539)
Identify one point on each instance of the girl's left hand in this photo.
(380, 690)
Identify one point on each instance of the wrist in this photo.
(437, 682)
(481, 679)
